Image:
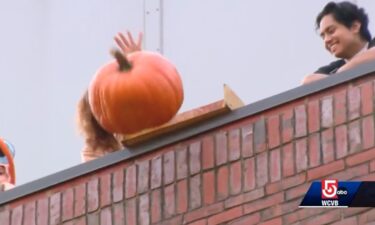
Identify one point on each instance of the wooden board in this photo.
(230, 102)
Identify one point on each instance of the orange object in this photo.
(12, 171)
(132, 93)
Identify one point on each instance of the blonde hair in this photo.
(96, 138)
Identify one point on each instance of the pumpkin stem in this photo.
(121, 60)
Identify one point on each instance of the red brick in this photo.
(243, 198)
(287, 126)
(354, 96)
(314, 150)
(352, 172)
(182, 160)
(368, 177)
(275, 221)
(221, 148)
(118, 185)
(354, 137)
(234, 145)
(130, 181)
(247, 220)
(328, 217)
(199, 222)
(340, 107)
(80, 200)
(348, 221)
(366, 217)
(156, 206)
(5, 217)
(156, 172)
(301, 214)
(203, 212)
(54, 210)
(354, 211)
(169, 167)
(271, 212)
(368, 132)
(222, 182)
(301, 155)
(93, 218)
(105, 190)
(249, 174)
(367, 93)
(266, 202)
(261, 169)
(325, 170)
(130, 211)
(106, 216)
(173, 221)
(235, 178)
(16, 218)
(275, 165)
(195, 158)
(286, 183)
(260, 135)
(327, 146)
(144, 209)
(225, 216)
(208, 152)
(118, 214)
(313, 116)
(372, 166)
(93, 195)
(301, 121)
(29, 214)
(182, 196)
(297, 192)
(327, 112)
(288, 160)
(67, 204)
(82, 221)
(341, 134)
(42, 212)
(360, 157)
(195, 192)
(208, 187)
(273, 127)
(169, 201)
(247, 141)
(143, 176)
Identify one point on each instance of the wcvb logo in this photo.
(329, 189)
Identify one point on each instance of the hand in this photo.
(313, 77)
(127, 44)
(6, 186)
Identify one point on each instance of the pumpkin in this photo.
(134, 92)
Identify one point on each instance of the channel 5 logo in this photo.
(329, 189)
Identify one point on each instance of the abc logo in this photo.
(342, 191)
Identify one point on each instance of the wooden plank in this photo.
(188, 118)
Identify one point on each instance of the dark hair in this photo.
(346, 13)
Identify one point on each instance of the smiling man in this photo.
(343, 28)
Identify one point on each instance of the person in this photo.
(5, 183)
(343, 26)
(99, 142)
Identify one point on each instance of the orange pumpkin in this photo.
(132, 93)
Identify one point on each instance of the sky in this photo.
(52, 49)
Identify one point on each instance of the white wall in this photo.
(51, 49)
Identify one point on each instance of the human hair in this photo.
(346, 13)
(96, 137)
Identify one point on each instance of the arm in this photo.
(313, 77)
(363, 57)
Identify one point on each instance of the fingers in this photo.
(139, 42)
(126, 42)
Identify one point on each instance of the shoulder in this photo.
(331, 68)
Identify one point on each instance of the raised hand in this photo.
(126, 42)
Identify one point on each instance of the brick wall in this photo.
(252, 171)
